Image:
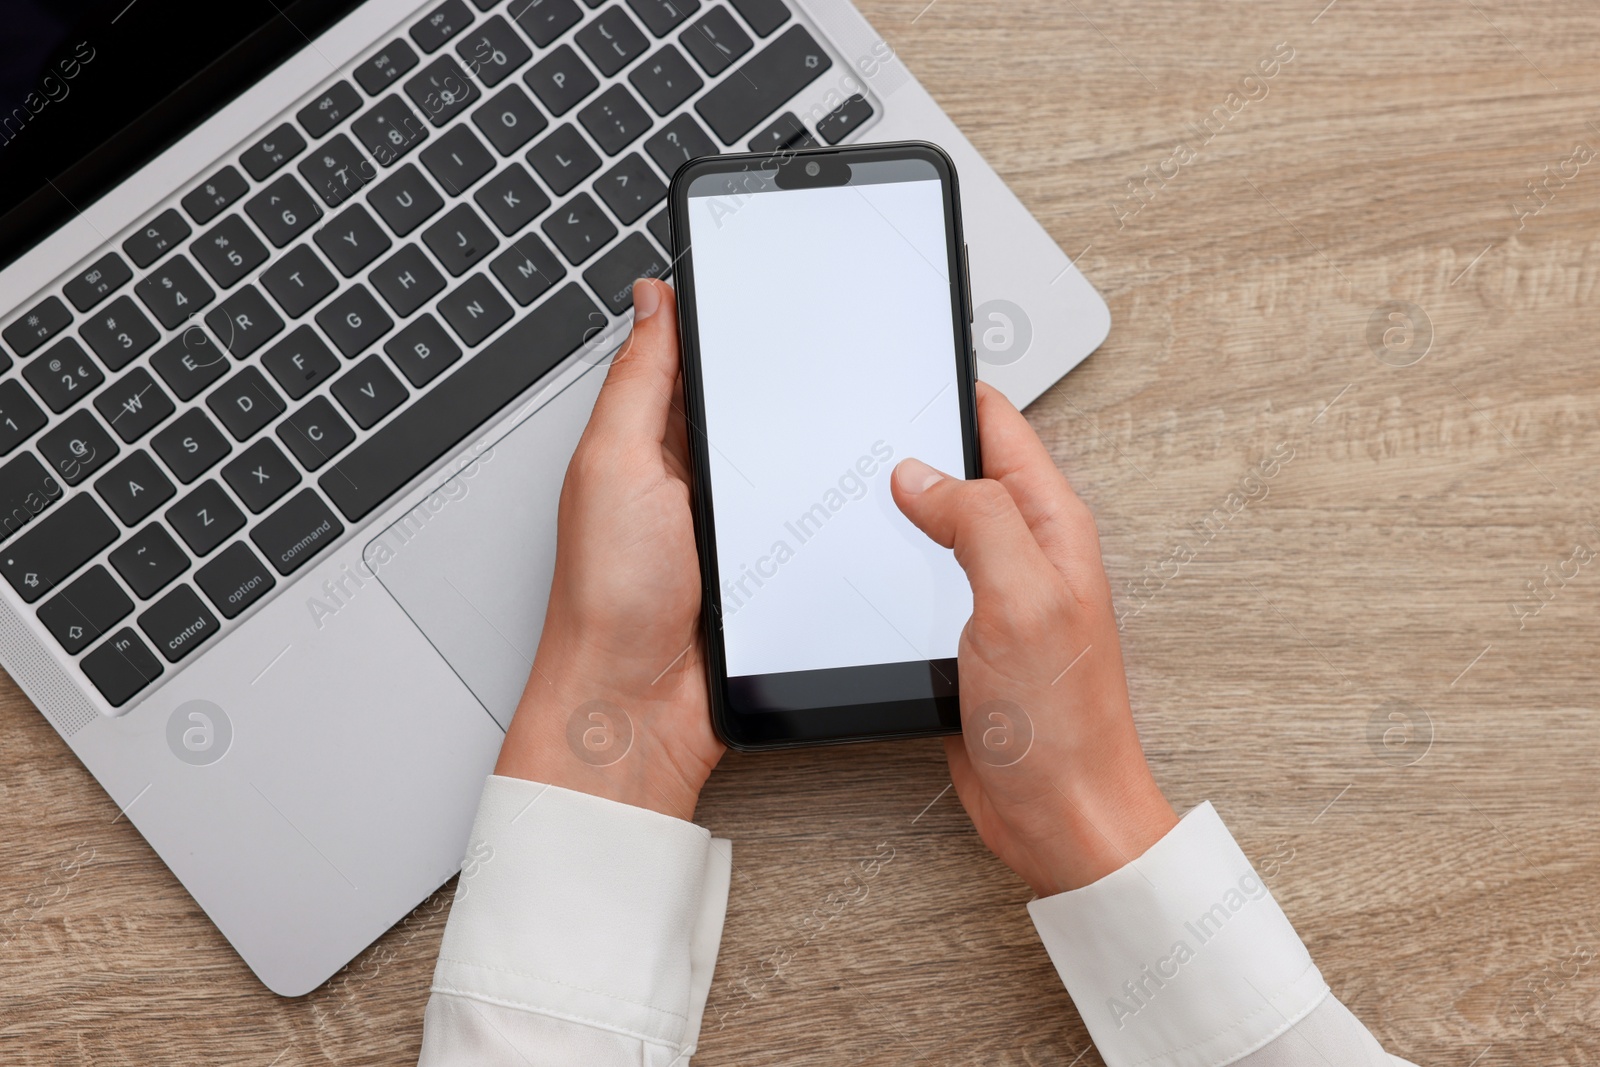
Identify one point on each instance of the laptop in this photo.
(303, 308)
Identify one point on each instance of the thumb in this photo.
(978, 519)
(640, 384)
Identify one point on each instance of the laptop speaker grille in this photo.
(41, 677)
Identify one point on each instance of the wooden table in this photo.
(1353, 666)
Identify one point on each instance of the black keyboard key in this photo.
(442, 23)
(545, 20)
(179, 623)
(460, 240)
(119, 332)
(438, 420)
(512, 199)
(283, 210)
(407, 280)
(189, 362)
(677, 142)
(56, 546)
(353, 240)
(379, 72)
(80, 613)
(300, 362)
(579, 228)
(77, 447)
(121, 667)
(844, 120)
(764, 16)
(661, 229)
(245, 403)
(331, 108)
(261, 475)
(665, 80)
(296, 532)
(228, 251)
(405, 199)
(475, 310)
(337, 170)
(316, 433)
(191, 446)
(206, 518)
(235, 580)
(766, 81)
(263, 158)
(102, 278)
(614, 273)
(42, 322)
(159, 236)
(510, 119)
(612, 40)
(299, 281)
(20, 417)
(663, 15)
(369, 391)
(786, 133)
(442, 90)
(563, 159)
(493, 51)
(133, 404)
(214, 197)
(630, 188)
(422, 350)
(175, 291)
(64, 375)
(528, 269)
(244, 322)
(614, 119)
(149, 561)
(134, 488)
(354, 320)
(457, 160)
(716, 41)
(26, 490)
(561, 80)
(389, 129)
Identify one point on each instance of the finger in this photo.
(978, 520)
(637, 396)
(1014, 456)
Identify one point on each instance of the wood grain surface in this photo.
(1377, 660)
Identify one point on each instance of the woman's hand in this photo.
(616, 704)
(1048, 765)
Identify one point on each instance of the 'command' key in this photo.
(290, 536)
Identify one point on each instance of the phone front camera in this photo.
(813, 169)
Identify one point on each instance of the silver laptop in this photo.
(302, 314)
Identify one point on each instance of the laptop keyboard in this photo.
(336, 308)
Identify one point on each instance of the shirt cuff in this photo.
(585, 909)
(1181, 958)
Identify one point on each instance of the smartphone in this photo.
(825, 322)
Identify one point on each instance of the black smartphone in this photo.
(825, 321)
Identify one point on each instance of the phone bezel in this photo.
(771, 729)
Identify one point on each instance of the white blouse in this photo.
(585, 931)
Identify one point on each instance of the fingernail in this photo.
(646, 300)
(916, 476)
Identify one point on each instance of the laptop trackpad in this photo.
(471, 563)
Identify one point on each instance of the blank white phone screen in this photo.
(827, 357)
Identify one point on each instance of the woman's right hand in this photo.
(1048, 765)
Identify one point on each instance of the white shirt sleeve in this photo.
(1183, 959)
(583, 931)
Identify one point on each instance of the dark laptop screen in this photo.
(90, 91)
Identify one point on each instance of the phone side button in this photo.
(966, 267)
